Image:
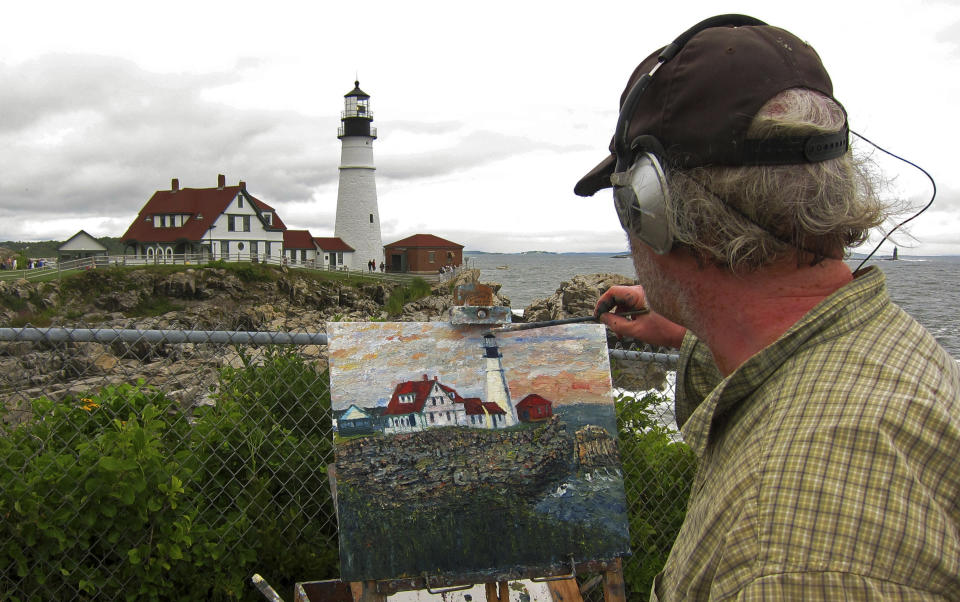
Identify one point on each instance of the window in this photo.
(268, 217)
(266, 248)
(240, 245)
(431, 256)
(240, 201)
(303, 256)
(238, 223)
(224, 248)
(371, 218)
(340, 257)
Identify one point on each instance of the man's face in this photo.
(664, 293)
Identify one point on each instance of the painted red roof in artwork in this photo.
(298, 239)
(203, 205)
(534, 400)
(474, 406)
(331, 243)
(424, 240)
(421, 390)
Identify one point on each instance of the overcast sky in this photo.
(487, 113)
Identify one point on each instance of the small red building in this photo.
(422, 254)
(534, 408)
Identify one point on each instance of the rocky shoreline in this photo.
(208, 298)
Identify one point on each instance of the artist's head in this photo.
(751, 152)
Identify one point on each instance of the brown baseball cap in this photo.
(700, 103)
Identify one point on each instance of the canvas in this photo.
(472, 453)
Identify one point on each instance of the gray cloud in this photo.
(90, 135)
(471, 150)
(87, 135)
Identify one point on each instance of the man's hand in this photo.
(650, 327)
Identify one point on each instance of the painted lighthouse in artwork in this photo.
(358, 219)
(497, 390)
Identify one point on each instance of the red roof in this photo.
(534, 400)
(203, 205)
(298, 239)
(332, 243)
(475, 406)
(421, 390)
(424, 240)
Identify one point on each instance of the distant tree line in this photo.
(48, 248)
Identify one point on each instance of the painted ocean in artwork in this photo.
(473, 455)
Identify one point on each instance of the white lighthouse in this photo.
(497, 390)
(358, 219)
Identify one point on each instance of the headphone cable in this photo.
(912, 217)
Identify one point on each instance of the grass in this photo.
(400, 296)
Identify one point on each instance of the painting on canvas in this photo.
(470, 453)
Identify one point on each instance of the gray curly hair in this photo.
(743, 218)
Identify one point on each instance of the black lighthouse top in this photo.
(356, 116)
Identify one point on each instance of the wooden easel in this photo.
(563, 590)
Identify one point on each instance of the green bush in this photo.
(119, 494)
(658, 472)
(417, 288)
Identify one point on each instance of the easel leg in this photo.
(493, 596)
(565, 590)
(504, 592)
(613, 586)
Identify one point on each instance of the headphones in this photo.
(640, 188)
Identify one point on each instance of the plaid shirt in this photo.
(829, 462)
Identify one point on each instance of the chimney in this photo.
(435, 378)
(425, 377)
(174, 185)
(243, 186)
(221, 181)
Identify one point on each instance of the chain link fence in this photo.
(173, 464)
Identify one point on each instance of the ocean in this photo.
(928, 288)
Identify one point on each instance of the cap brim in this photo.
(597, 178)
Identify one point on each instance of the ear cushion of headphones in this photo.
(649, 185)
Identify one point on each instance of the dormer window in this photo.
(268, 218)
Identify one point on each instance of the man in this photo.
(826, 420)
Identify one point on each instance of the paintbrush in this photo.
(532, 325)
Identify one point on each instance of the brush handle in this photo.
(533, 325)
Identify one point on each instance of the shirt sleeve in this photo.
(830, 585)
(697, 375)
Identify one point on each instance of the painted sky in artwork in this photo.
(565, 364)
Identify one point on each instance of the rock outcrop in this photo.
(401, 470)
(574, 298)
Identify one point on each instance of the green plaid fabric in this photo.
(829, 462)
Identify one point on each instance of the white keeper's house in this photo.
(226, 222)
